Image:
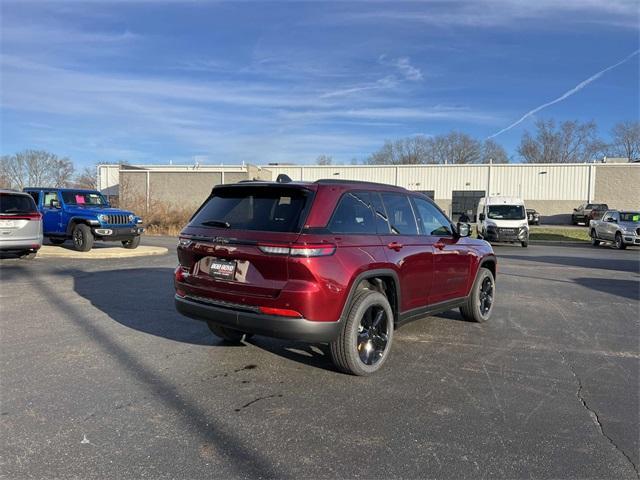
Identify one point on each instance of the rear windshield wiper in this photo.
(216, 223)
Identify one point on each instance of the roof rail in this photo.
(329, 181)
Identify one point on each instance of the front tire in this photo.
(365, 339)
(131, 244)
(228, 334)
(524, 244)
(594, 239)
(479, 304)
(82, 238)
(619, 242)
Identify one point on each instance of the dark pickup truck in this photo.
(587, 212)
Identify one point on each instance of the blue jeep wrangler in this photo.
(84, 216)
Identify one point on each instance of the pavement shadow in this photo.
(622, 288)
(141, 299)
(620, 265)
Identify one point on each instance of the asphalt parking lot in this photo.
(100, 378)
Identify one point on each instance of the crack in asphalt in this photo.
(594, 415)
(257, 400)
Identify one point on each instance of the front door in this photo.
(51, 214)
(451, 257)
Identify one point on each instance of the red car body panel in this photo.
(428, 270)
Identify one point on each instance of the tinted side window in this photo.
(353, 215)
(400, 214)
(35, 196)
(382, 222)
(430, 219)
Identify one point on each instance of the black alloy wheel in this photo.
(373, 335)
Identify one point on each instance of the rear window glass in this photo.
(353, 215)
(254, 208)
(10, 203)
(597, 206)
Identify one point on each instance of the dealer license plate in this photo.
(223, 269)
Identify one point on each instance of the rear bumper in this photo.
(32, 244)
(268, 325)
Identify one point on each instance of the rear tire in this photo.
(82, 238)
(524, 244)
(594, 238)
(619, 242)
(479, 304)
(131, 244)
(228, 334)
(366, 336)
(57, 241)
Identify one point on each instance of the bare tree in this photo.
(456, 147)
(494, 152)
(569, 142)
(626, 140)
(36, 168)
(406, 151)
(324, 160)
(87, 178)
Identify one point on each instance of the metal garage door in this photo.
(465, 201)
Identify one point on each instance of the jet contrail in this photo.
(575, 89)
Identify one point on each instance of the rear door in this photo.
(236, 243)
(410, 252)
(451, 256)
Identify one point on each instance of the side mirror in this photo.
(481, 217)
(54, 203)
(464, 229)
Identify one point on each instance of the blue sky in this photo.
(226, 82)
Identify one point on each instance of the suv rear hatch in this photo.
(19, 217)
(236, 244)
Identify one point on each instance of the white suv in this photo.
(20, 224)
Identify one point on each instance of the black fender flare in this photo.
(75, 220)
(378, 272)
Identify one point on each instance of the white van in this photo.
(503, 219)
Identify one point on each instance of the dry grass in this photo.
(161, 218)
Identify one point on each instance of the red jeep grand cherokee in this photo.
(335, 261)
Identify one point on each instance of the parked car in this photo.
(588, 211)
(342, 262)
(533, 217)
(84, 216)
(20, 224)
(621, 228)
(502, 219)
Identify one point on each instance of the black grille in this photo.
(118, 219)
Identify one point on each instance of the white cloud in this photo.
(408, 71)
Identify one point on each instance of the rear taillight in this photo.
(180, 273)
(22, 216)
(318, 250)
(280, 312)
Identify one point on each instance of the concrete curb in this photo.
(99, 253)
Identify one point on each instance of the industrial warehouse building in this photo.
(552, 189)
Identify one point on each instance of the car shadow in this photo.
(621, 288)
(620, 265)
(142, 299)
